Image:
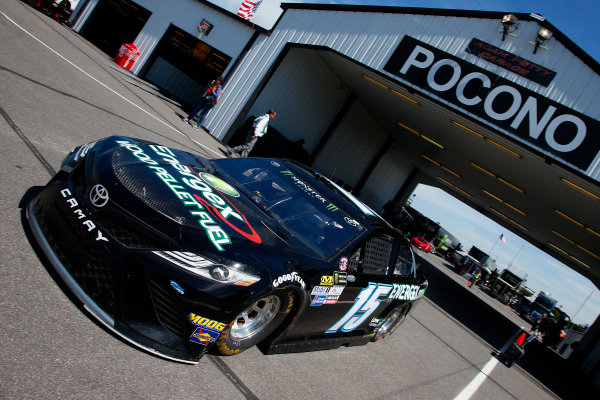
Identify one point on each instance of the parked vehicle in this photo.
(421, 243)
(180, 255)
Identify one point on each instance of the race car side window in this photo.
(377, 252)
(404, 261)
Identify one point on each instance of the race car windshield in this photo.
(296, 201)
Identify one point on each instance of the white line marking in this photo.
(472, 387)
(104, 85)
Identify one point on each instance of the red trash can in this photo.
(127, 55)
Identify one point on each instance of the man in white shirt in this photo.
(259, 128)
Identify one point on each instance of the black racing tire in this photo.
(391, 321)
(255, 323)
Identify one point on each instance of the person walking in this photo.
(259, 129)
(209, 99)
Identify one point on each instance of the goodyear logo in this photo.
(206, 323)
(326, 280)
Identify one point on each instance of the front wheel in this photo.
(255, 323)
(391, 322)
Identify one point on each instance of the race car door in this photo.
(355, 291)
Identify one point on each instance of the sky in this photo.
(576, 19)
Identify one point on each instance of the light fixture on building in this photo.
(582, 190)
(428, 139)
(542, 35)
(479, 135)
(397, 93)
(509, 25)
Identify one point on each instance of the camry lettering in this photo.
(80, 215)
(535, 119)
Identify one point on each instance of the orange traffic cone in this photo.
(520, 339)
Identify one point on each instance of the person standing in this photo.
(209, 99)
(259, 128)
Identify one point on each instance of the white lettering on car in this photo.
(80, 215)
(291, 277)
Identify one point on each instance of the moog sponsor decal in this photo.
(207, 331)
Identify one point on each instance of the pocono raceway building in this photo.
(500, 110)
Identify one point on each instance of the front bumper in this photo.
(129, 300)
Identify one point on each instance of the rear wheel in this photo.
(255, 323)
(391, 322)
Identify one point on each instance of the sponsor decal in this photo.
(340, 278)
(510, 62)
(206, 323)
(99, 196)
(375, 322)
(320, 290)
(318, 300)
(326, 280)
(351, 278)
(332, 207)
(336, 290)
(406, 292)
(81, 216)
(331, 299)
(207, 203)
(343, 265)
(365, 303)
(203, 336)
(219, 184)
(531, 117)
(177, 287)
(352, 222)
(83, 150)
(292, 277)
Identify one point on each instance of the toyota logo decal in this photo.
(99, 196)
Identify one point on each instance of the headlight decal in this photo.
(207, 269)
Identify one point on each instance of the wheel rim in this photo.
(255, 318)
(387, 325)
(390, 324)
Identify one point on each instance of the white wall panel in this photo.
(306, 95)
(351, 148)
(387, 178)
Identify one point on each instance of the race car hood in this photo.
(168, 187)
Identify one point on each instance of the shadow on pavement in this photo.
(559, 375)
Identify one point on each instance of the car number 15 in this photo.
(365, 304)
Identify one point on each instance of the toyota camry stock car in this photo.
(181, 255)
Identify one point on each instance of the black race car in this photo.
(180, 255)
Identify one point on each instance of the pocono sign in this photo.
(544, 124)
